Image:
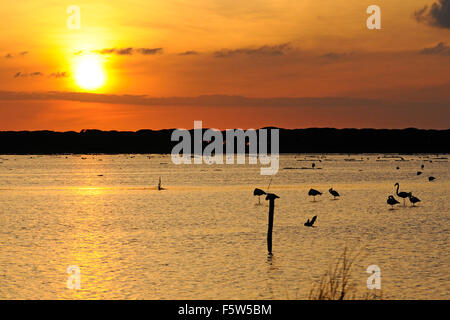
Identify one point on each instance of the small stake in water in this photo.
(271, 197)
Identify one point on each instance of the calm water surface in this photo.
(205, 237)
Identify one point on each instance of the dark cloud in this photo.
(266, 50)
(440, 49)
(188, 53)
(437, 14)
(127, 51)
(32, 74)
(200, 101)
(58, 75)
(336, 55)
(149, 51)
(11, 55)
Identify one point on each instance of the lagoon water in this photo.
(205, 236)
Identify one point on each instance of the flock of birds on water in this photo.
(391, 200)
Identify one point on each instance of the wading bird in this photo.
(310, 223)
(259, 193)
(413, 199)
(401, 194)
(314, 193)
(392, 201)
(419, 173)
(431, 179)
(422, 166)
(334, 193)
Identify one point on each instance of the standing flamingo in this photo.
(334, 193)
(259, 193)
(392, 202)
(413, 199)
(314, 193)
(401, 194)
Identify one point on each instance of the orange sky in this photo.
(256, 50)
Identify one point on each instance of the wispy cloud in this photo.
(334, 56)
(58, 75)
(188, 53)
(437, 14)
(440, 49)
(262, 51)
(41, 74)
(199, 101)
(127, 51)
(32, 74)
(12, 55)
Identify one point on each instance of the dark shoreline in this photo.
(313, 140)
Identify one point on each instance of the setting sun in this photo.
(89, 72)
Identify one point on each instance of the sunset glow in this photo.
(260, 50)
(89, 73)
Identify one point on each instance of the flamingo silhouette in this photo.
(413, 199)
(401, 194)
(310, 223)
(392, 201)
(259, 193)
(334, 193)
(314, 193)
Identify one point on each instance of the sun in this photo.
(89, 72)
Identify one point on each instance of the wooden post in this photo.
(271, 197)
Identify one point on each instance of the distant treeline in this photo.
(315, 140)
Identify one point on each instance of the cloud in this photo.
(147, 51)
(58, 75)
(437, 15)
(335, 56)
(11, 55)
(266, 50)
(126, 51)
(440, 49)
(199, 101)
(32, 74)
(188, 53)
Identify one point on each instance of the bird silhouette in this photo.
(431, 179)
(419, 173)
(313, 165)
(392, 201)
(334, 193)
(310, 223)
(401, 194)
(422, 166)
(314, 193)
(259, 193)
(413, 199)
